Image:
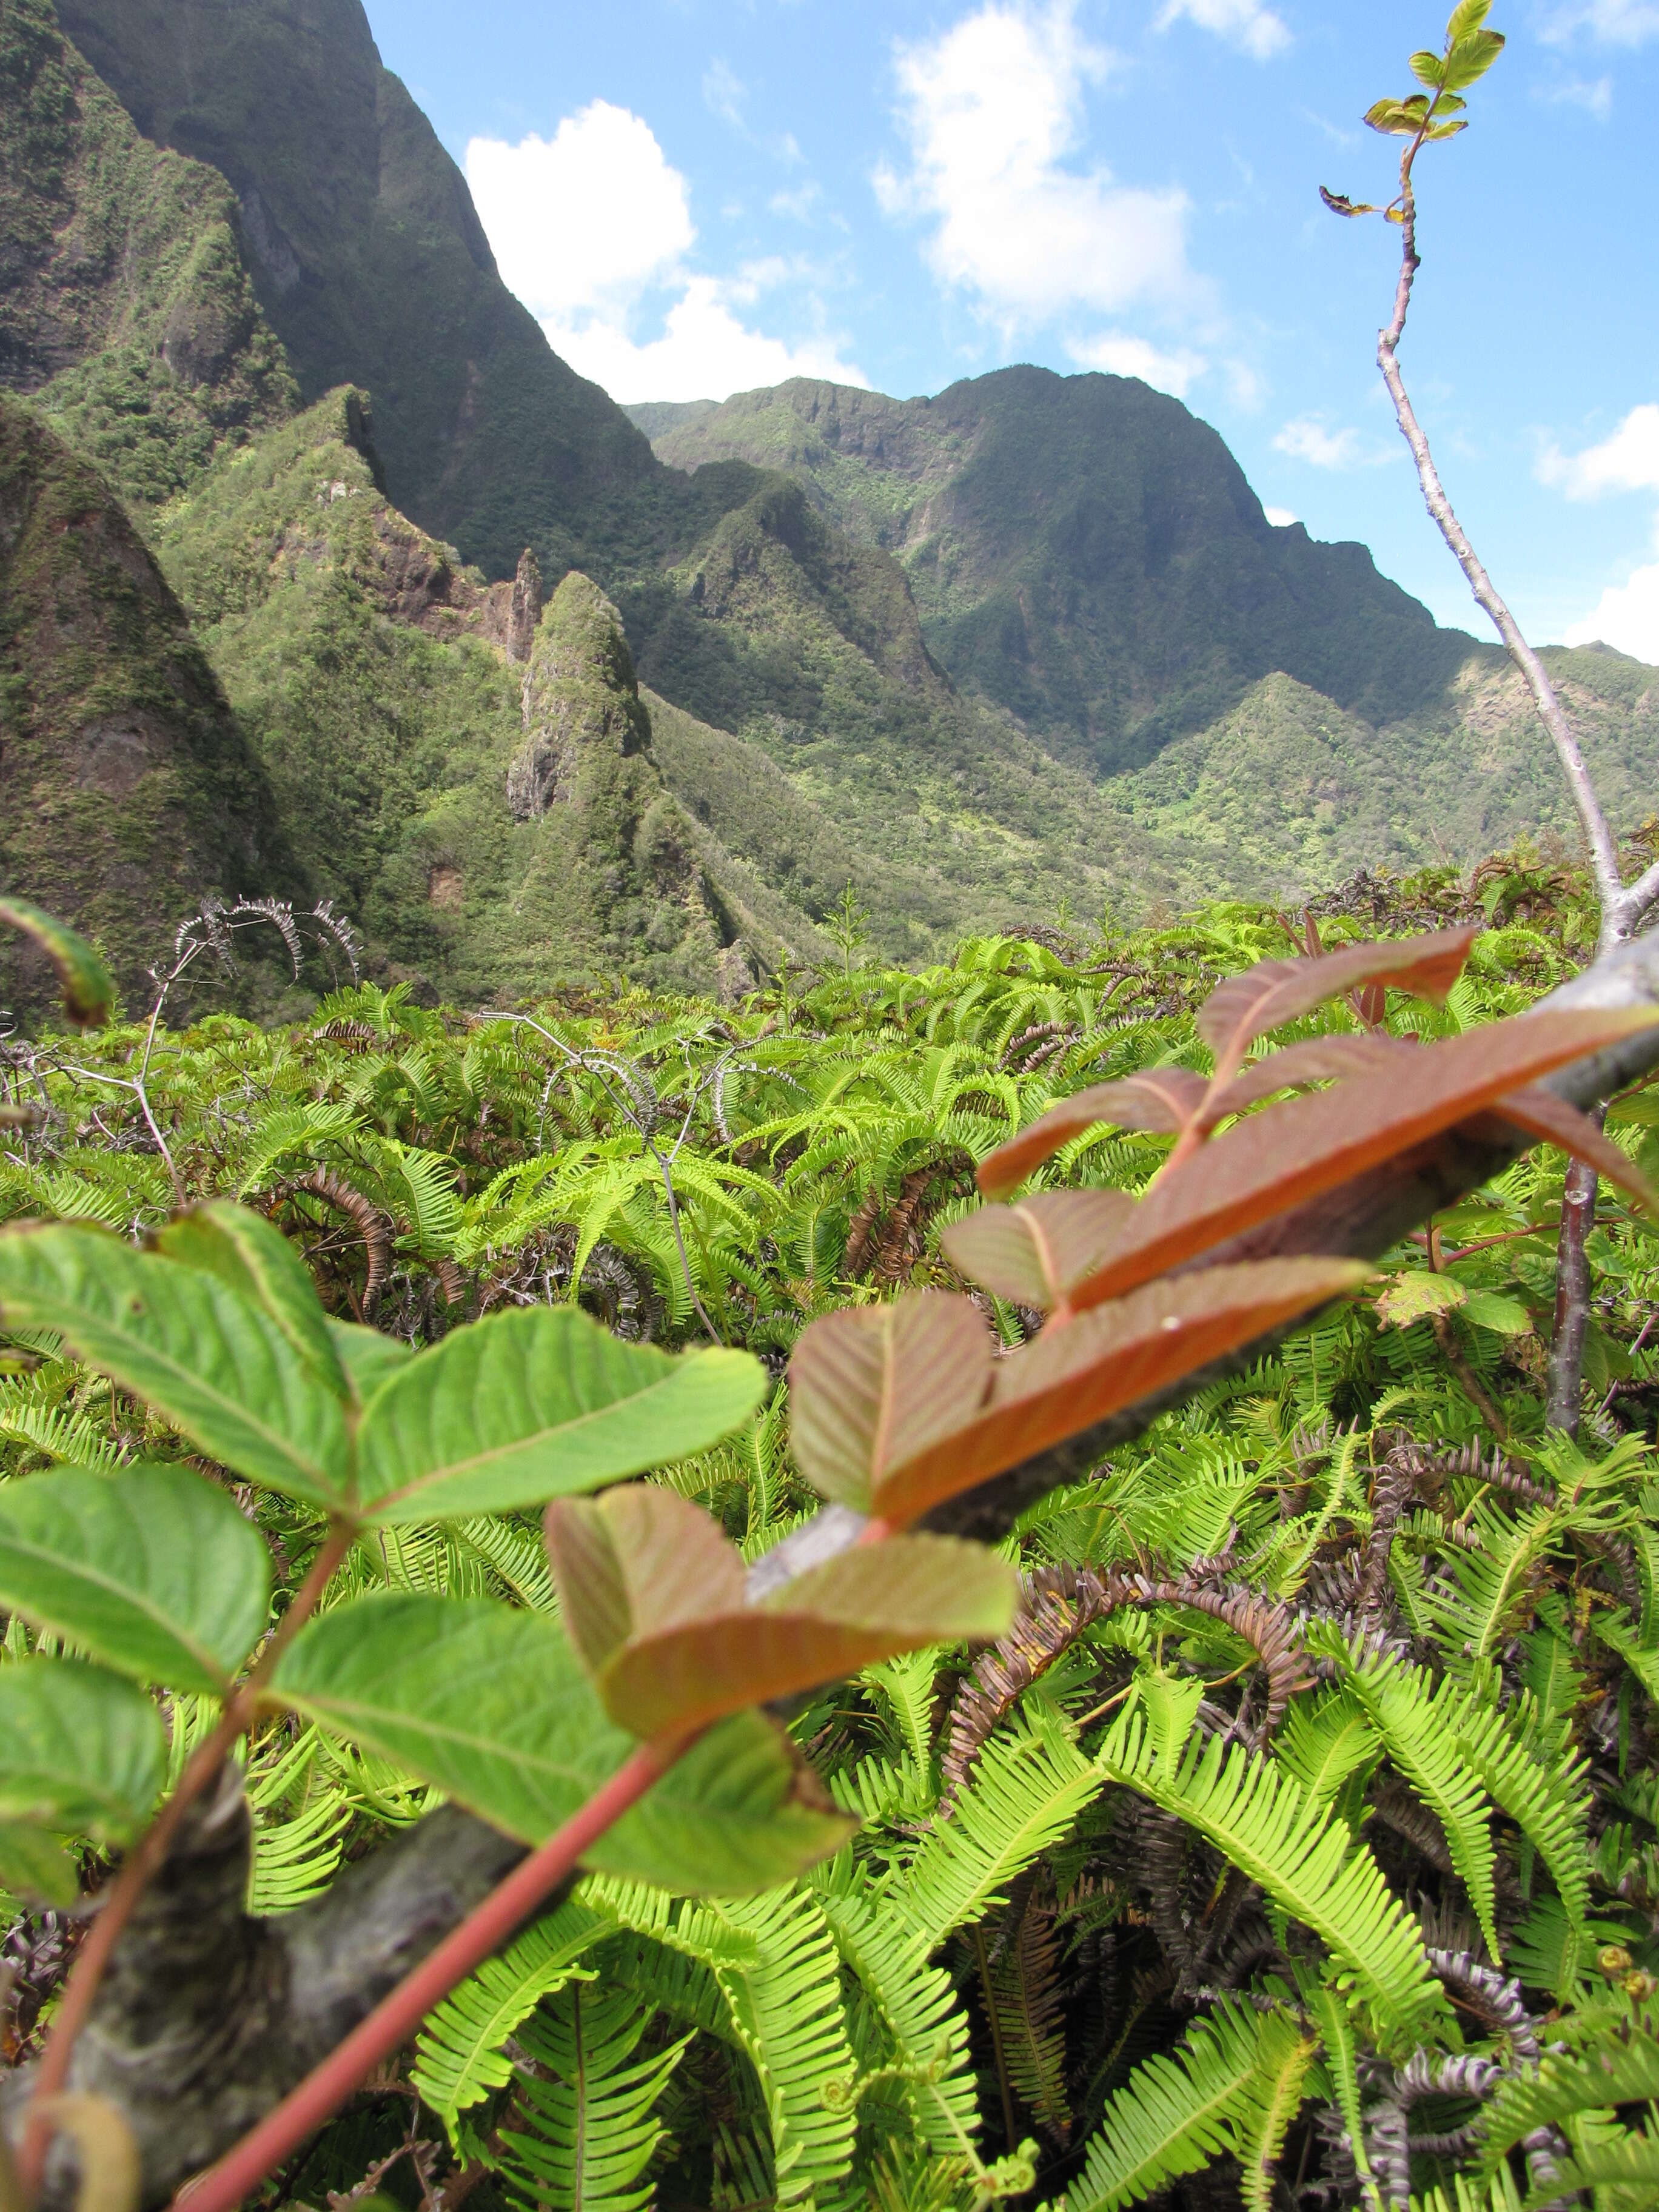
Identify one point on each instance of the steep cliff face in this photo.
(125, 306)
(127, 789)
(372, 265)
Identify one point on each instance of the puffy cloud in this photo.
(1310, 439)
(1627, 616)
(1280, 517)
(1120, 355)
(1243, 23)
(588, 226)
(1610, 22)
(704, 352)
(992, 109)
(1627, 461)
(583, 221)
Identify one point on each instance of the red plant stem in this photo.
(147, 1856)
(397, 2015)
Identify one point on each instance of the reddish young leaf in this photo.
(693, 1650)
(1034, 1252)
(638, 1555)
(1160, 1099)
(1315, 1060)
(1278, 991)
(1271, 1161)
(1098, 1362)
(1542, 1113)
(874, 1385)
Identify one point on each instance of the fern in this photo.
(922, 2038)
(586, 2134)
(1418, 1727)
(1622, 2067)
(1173, 2115)
(459, 2058)
(1026, 1791)
(1255, 1813)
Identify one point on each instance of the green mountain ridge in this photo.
(1032, 641)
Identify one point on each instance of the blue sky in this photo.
(697, 197)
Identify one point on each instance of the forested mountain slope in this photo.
(1031, 644)
(128, 790)
(1086, 552)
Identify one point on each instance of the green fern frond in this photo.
(1323, 1741)
(1623, 2172)
(1173, 2115)
(1255, 1813)
(787, 2009)
(1620, 2068)
(1417, 1722)
(923, 2028)
(1027, 1789)
(1284, 2058)
(587, 2130)
(459, 2058)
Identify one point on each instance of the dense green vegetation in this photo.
(1078, 1945)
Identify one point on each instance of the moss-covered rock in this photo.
(127, 790)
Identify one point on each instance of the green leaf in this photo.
(492, 1705)
(88, 988)
(1471, 57)
(1427, 69)
(740, 1813)
(188, 1345)
(1468, 16)
(1505, 1316)
(245, 1251)
(80, 1750)
(151, 1570)
(536, 1404)
(34, 1865)
(368, 1357)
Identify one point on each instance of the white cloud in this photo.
(1627, 461)
(1627, 616)
(1280, 517)
(1310, 439)
(1244, 23)
(1593, 94)
(583, 221)
(704, 352)
(1120, 355)
(589, 224)
(1610, 22)
(992, 109)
